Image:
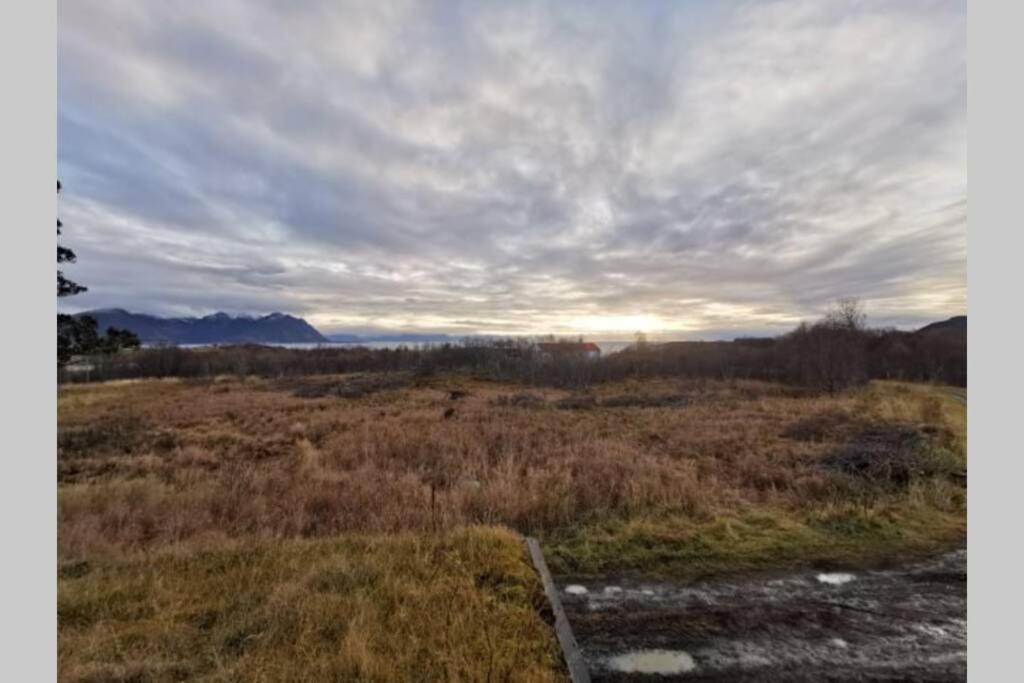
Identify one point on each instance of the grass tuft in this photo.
(460, 606)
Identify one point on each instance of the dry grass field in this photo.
(279, 487)
(462, 606)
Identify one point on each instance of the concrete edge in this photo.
(578, 672)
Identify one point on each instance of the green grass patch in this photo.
(680, 548)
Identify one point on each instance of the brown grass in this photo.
(261, 530)
(462, 606)
(146, 464)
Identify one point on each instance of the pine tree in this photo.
(77, 334)
(66, 287)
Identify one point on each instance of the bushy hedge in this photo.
(811, 356)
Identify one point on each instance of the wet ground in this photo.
(904, 624)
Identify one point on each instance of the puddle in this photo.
(835, 579)
(905, 622)
(662, 662)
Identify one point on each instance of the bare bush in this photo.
(894, 455)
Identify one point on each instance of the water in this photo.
(663, 662)
(835, 579)
(328, 345)
(607, 347)
(906, 622)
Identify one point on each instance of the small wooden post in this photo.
(578, 672)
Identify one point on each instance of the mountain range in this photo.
(218, 328)
(281, 328)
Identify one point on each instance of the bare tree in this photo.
(847, 314)
(831, 354)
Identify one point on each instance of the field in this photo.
(373, 488)
(463, 606)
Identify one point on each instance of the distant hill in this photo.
(955, 326)
(219, 328)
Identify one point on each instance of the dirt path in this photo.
(895, 625)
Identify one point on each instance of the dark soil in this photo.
(893, 455)
(905, 624)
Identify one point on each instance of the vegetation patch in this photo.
(646, 401)
(520, 399)
(245, 461)
(826, 426)
(894, 455)
(355, 386)
(686, 549)
(122, 433)
(460, 606)
(577, 402)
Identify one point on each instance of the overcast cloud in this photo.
(689, 168)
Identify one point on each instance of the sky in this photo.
(685, 169)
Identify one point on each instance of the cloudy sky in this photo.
(690, 169)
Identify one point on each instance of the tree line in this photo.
(829, 355)
(832, 354)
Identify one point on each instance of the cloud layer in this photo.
(692, 169)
